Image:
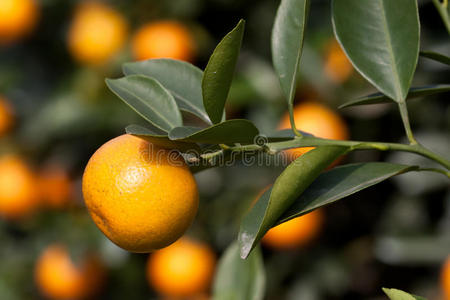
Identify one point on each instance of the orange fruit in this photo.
(141, 196)
(317, 119)
(55, 187)
(96, 34)
(17, 18)
(296, 232)
(184, 269)
(445, 278)
(58, 277)
(6, 116)
(163, 39)
(337, 66)
(18, 196)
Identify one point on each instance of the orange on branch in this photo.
(141, 196)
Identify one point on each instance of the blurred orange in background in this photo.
(317, 119)
(6, 116)
(445, 279)
(184, 269)
(97, 33)
(58, 277)
(337, 66)
(55, 187)
(17, 18)
(296, 232)
(163, 39)
(18, 189)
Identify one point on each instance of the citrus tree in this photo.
(382, 41)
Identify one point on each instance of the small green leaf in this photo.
(288, 187)
(287, 43)
(182, 79)
(238, 279)
(341, 182)
(219, 72)
(160, 140)
(381, 39)
(395, 294)
(149, 99)
(414, 92)
(436, 56)
(231, 131)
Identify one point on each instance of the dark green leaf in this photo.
(414, 92)
(287, 43)
(436, 56)
(395, 294)
(160, 140)
(182, 79)
(219, 73)
(341, 182)
(149, 99)
(381, 38)
(239, 279)
(288, 187)
(231, 131)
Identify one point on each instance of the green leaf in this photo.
(231, 131)
(160, 140)
(341, 182)
(395, 294)
(381, 39)
(288, 187)
(287, 43)
(149, 99)
(182, 79)
(238, 279)
(436, 56)
(219, 73)
(415, 92)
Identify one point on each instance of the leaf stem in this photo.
(292, 120)
(307, 141)
(436, 170)
(442, 10)
(404, 114)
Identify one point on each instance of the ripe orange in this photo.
(18, 196)
(141, 196)
(58, 277)
(296, 232)
(55, 187)
(163, 39)
(445, 278)
(6, 116)
(337, 66)
(317, 119)
(96, 34)
(183, 269)
(17, 18)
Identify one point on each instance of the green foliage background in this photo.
(396, 234)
